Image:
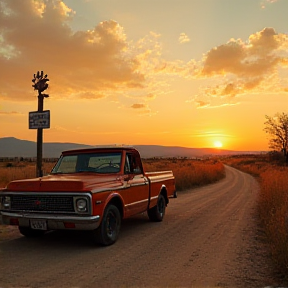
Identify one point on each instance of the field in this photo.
(272, 201)
(15, 170)
(188, 173)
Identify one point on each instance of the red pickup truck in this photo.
(88, 189)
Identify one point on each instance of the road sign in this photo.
(39, 120)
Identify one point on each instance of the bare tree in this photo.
(277, 128)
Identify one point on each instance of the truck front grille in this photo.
(42, 203)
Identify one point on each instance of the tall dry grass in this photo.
(273, 209)
(188, 173)
(272, 202)
(10, 171)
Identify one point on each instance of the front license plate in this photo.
(38, 224)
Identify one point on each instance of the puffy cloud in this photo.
(35, 35)
(183, 38)
(258, 57)
(244, 67)
(101, 62)
(92, 64)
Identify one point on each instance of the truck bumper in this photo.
(53, 222)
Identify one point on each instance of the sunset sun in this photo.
(218, 144)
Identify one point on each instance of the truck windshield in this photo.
(92, 162)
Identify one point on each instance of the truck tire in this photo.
(108, 231)
(157, 212)
(29, 232)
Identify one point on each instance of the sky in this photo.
(190, 73)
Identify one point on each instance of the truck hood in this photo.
(67, 183)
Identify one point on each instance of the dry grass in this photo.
(10, 171)
(272, 203)
(273, 208)
(188, 173)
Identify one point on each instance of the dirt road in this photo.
(209, 238)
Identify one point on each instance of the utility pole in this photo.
(40, 84)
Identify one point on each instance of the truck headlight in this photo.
(6, 202)
(81, 205)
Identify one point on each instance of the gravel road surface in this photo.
(209, 238)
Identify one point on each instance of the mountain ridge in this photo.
(13, 147)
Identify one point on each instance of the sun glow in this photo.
(218, 144)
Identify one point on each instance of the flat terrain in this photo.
(209, 238)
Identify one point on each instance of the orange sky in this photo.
(146, 72)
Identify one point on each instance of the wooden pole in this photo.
(39, 171)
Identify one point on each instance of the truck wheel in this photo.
(29, 232)
(157, 212)
(108, 231)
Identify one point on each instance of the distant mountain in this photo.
(13, 147)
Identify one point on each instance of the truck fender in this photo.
(117, 200)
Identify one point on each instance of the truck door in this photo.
(137, 192)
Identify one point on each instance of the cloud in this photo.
(90, 64)
(142, 109)
(244, 67)
(211, 134)
(257, 57)
(90, 95)
(35, 35)
(216, 96)
(138, 106)
(14, 113)
(79, 130)
(103, 63)
(263, 4)
(183, 38)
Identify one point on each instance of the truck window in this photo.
(66, 164)
(132, 165)
(90, 162)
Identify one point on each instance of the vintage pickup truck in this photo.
(88, 189)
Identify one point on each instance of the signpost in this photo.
(40, 119)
